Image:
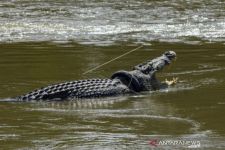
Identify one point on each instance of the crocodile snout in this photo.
(170, 54)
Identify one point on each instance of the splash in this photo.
(107, 22)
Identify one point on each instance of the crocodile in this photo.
(141, 78)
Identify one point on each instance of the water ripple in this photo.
(107, 21)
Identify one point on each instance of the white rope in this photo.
(99, 66)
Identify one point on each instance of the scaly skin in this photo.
(77, 89)
(142, 78)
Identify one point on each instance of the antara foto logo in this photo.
(183, 143)
(153, 142)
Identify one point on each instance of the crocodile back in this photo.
(90, 88)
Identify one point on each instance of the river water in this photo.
(50, 41)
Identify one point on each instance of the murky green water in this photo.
(45, 42)
(193, 109)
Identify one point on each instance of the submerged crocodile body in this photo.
(141, 78)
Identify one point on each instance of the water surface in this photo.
(46, 42)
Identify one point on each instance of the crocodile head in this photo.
(143, 77)
(170, 55)
(163, 60)
(156, 64)
(148, 80)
